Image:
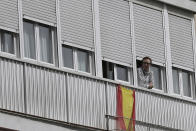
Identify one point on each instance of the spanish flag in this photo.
(125, 109)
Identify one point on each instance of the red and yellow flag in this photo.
(125, 109)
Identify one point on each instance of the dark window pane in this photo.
(67, 57)
(7, 43)
(108, 70)
(122, 73)
(46, 52)
(29, 40)
(157, 77)
(176, 81)
(83, 61)
(186, 84)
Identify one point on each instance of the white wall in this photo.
(186, 4)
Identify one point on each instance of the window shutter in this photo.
(77, 22)
(40, 9)
(115, 30)
(149, 33)
(181, 40)
(9, 14)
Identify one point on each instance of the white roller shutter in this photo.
(77, 22)
(40, 9)
(149, 33)
(115, 30)
(9, 14)
(181, 41)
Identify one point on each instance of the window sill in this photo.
(158, 90)
(8, 54)
(121, 81)
(33, 61)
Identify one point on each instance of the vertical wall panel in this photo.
(164, 111)
(87, 102)
(9, 14)
(40, 9)
(156, 109)
(11, 85)
(115, 30)
(149, 33)
(46, 93)
(112, 101)
(77, 22)
(181, 40)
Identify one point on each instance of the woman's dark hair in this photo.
(147, 58)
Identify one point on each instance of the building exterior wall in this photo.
(71, 95)
(186, 4)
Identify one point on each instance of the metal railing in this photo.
(23, 90)
(139, 125)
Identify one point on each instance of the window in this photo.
(8, 42)
(45, 41)
(108, 70)
(117, 72)
(158, 77)
(176, 87)
(67, 53)
(77, 59)
(183, 82)
(186, 84)
(29, 40)
(39, 42)
(83, 61)
(122, 73)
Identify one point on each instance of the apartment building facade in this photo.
(61, 62)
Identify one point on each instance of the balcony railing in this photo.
(71, 97)
(140, 126)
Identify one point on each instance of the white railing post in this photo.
(59, 42)
(194, 51)
(167, 51)
(133, 45)
(21, 29)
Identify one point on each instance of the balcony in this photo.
(51, 93)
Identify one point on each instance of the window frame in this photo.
(109, 69)
(162, 79)
(36, 26)
(191, 82)
(162, 68)
(89, 61)
(73, 57)
(179, 81)
(129, 72)
(75, 60)
(15, 43)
